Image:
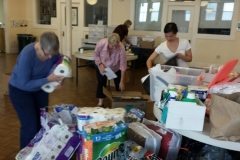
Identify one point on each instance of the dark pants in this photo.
(102, 81)
(27, 106)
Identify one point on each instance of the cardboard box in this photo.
(127, 99)
(5, 77)
(186, 115)
(146, 44)
(126, 80)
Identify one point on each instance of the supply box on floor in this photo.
(127, 99)
(126, 78)
(6, 77)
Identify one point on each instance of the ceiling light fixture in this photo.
(204, 3)
(91, 2)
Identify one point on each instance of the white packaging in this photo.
(185, 115)
(89, 115)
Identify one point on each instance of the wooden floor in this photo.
(81, 95)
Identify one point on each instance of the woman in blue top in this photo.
(29, 74)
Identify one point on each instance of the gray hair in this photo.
(114, 38)
(49, 42)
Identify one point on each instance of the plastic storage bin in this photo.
(97, 34)
(97, 28)
(93, 39)
(184, 76)
(24, 39)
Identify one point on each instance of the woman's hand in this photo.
(121, 86)
(54, 78)
(58, 86)
(102, 68)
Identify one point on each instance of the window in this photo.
(96, 12)
(45, 10)
(216, 18)
(187, 15)
(227, 11)
(143, 12)
(148, 15)
(211, 11)
(155, 11)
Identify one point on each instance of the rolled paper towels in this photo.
(87, 115)
(60, 68)
(49, 87)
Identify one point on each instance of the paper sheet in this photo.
(109, 73)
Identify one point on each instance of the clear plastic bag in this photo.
(209, 152)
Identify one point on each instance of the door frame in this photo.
(188, 35)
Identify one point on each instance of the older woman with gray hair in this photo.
(29, 74)
(110, 52)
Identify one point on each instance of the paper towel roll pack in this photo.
(88, 115)
(60, 68)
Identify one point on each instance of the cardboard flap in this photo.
(145, 96)
(107, 93)
(127, 94)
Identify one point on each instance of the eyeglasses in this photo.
(45, 54)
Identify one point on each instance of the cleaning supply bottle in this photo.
(190, 97)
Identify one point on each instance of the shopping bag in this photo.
(225, 116)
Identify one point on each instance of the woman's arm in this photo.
(127, 41)
(187, 57)
(151, 59)
(122, 82)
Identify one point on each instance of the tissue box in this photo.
(146, 44)
(6, 77)
(126, 79)
(127, 98)
(185, 115)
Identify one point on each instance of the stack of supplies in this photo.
(88, 115)
(144, 136)
(181, 107)
(53, 141)
(104, 140)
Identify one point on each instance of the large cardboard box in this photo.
(146, 44)
(127, 99)
(5, 77)
(126, 79)
(186, 115)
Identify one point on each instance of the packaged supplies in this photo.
(134, 115)
(87, 115)
(104, 140)
(134, 151)
(53, 141)
(171, 141)
(148, 138)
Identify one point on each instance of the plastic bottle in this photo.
(190, 97)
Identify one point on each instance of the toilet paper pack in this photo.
(60, 68)
(88, 115)
(52, 142)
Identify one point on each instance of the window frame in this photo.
(35, 19)
(160, 15)
(233, 27)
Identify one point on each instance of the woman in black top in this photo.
(122, 31)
